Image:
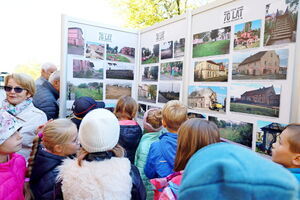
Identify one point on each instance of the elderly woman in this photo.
(19, 90)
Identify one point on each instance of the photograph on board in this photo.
(116, 90)
(211, 70)
(166, 50)
(87, 69)
(207, 98)
(142, 108)
(147, 93)
(267, 134)
(94, 50)
(120, 53)
(75, 41)
(179, 47)
(210, 43)
(119, 71)
(247, 35)
(150, 54)
(257, 99)
(235, 131)
(196, 115)
(150, 73)
(266, 65)
(281, 22)
(78, 88)
(171, 70)
(168, 92)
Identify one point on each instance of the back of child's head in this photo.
(152, 120)
(228, 171)
(293, 138)
(99, 132)
(174, 114)
(126, 108)
(193, 135)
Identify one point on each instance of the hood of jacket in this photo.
(168, 146)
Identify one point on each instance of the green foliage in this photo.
(211, 48)
(32, 69)
(141, 14)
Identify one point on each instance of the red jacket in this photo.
(12, 175)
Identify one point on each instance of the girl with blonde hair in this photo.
(59, 139)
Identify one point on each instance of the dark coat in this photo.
(130, 136)
(45, 99)
(44, 173)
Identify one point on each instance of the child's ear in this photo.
(164, 123)
(296, 160)
(58, 148)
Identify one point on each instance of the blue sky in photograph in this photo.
(221, 91)
(261, 124)
(255, 25)
(224, 61)
(95, 43)
(283, 56)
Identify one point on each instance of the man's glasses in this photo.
(16, 89)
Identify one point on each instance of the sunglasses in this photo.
(16, 89)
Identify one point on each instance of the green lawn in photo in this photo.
(151, 60)
(230, 134)
(211, 48)
(95, 94)
(116, 57)
(254, 109)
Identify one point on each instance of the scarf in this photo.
(15, 110)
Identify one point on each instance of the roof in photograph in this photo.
(253, 58)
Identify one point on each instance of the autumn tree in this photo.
(141, 14)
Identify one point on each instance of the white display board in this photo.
(98, 61)
(232, 62)
(242, 66)
(162, 63)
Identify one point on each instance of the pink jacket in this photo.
(12, 175)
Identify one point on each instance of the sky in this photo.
(31, 29)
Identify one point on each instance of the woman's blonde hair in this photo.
(126, 108)
(118, 151)
(24, 80)
(58, 131)
(193, 135)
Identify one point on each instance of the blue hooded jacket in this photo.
(161, 157)
(295, 172)
(231, 172)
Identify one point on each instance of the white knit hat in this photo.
(99, 131)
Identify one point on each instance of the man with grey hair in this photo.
(46, 70)
(47, 94)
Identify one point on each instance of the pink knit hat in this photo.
(148, 127)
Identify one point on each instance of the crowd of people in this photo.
(103, 153)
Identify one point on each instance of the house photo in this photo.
(255, 99)
(120, 53)
(75, 41)
(94, 50)
(211, 70)
(87, 69)
(271, 64)
(209, 98)
(147, 93)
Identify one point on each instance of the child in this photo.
(130, 131)
(100, 171)
(228, 171)
(82, 106)
(286, 150)
(12, 165)
(152, 127)
(59, 140)
(160, 160)
(193, 135)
